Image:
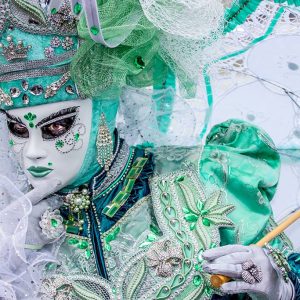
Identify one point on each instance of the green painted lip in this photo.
(39, 171)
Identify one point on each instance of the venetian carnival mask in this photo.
(50, 141)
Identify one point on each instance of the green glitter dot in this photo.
(94, 30)
(50, 164)
(53, 11)
(59, 144)
(76, 137)
(11, 142)
(77, 8)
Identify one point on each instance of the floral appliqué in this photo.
(56, 288)
(164, 257)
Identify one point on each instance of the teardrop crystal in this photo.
(25, 85)
(70, 90)
(25, 99)
(15, 92)
(36, 90)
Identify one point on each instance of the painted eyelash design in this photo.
(74, 114)
(58, 119)
(62, 114)
(14, 119)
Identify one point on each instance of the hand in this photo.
(34, 236)
(266, 282)
(43, 190)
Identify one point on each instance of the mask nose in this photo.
(34, 149)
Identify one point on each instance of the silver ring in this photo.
(251, 272)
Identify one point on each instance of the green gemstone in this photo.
(31, 125)
(11, 143)
(50, 164)
(197, 280)
(76, 137)
(206, 222)
(191, 218)
(197, 267)
(94, 30)
(139, 62)
(72, 229)
(77, 8)
(207, 291)
(109, 238)
(116, 232)
(73, 241)
(204, 212)
(108, 247)
(151, 238)
(180, 178)
(200, 205)
(83, 245)
(54, 11)
(88, 254)
(192, 226)
(154, 229)
(213, 245)
(199, 256)
(54, 223)
(50, 266)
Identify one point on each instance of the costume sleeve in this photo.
(21, 270)
(242, 160)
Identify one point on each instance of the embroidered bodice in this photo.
(169, 205)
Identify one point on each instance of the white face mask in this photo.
(51, 140)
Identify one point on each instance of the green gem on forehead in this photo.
(30, 117)
(77, 8)
(94, 30)
(59, 144)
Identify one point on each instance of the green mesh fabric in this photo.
(101, 70)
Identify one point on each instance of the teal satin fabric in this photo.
(241, 159)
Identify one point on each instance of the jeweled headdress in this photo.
(36, 48)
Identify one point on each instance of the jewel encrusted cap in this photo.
(36, 49)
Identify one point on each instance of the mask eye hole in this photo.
(58, 128)
(18, 129)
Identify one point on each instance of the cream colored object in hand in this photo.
(218, 280)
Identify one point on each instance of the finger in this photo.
(234, 258)
(237, 287)
(43, 190)
(233, 271)
(212, 254)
